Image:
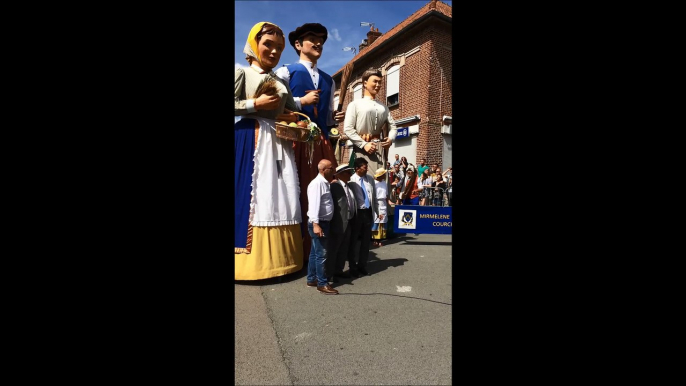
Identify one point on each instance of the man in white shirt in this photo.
(344, 211)
(320, 213)
(364, 189)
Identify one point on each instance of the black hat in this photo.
(313, 28)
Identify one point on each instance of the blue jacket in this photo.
(300, 80)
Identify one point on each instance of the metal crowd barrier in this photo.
(437, 197)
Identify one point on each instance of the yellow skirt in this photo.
(276, 251)
(379, 234)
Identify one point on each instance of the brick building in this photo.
(415, 59)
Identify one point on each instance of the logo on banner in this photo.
(408, 219)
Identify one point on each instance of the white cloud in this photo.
(239, 65)
(334, 33)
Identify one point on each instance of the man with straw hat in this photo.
(341, 224)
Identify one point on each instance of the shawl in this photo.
(250, 48)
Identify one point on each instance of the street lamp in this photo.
(350, 49)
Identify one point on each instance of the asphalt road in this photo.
(393, 327)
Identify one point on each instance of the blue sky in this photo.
(341, 19)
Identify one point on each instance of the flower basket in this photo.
(298, 134)
(309, 134)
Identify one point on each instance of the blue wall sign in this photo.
(423, 219)
(402, 132)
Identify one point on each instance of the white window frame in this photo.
(357, 92)
(393, 84)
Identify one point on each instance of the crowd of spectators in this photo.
(434, 186)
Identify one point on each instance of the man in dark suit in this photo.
(364, 188)
(344, 210)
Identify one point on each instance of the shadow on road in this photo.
(395, 240)
(409, 239)
(376, 265)
(400, 296)
(410, 242)
(276, 280)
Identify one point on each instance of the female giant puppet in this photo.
(268, 240)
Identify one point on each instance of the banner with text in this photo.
(423, 219)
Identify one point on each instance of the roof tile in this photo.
(439, 7)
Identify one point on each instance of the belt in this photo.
(365, 209)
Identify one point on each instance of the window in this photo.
(357, 92)
(392, 85)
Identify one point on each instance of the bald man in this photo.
(319, 213)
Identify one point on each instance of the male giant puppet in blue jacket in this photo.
(313, 91)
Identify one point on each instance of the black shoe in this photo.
(355, 274)
(341, 274)
(363, 271)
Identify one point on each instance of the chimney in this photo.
(373, 35)
(363, 45)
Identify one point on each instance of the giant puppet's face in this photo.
(311, 48)
(372, 85)
(270, 48)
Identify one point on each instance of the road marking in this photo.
(301, 337)
(404, 288)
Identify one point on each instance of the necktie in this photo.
(364, 191)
